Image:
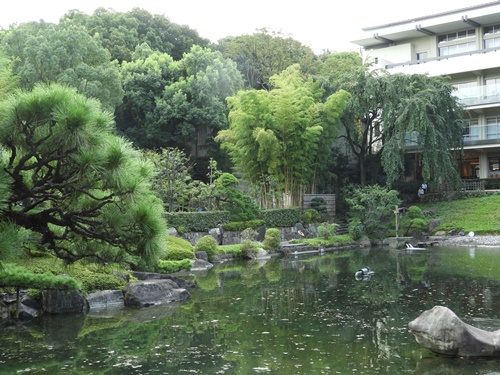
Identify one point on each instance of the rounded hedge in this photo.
(207, 244)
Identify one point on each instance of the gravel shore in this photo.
(468, 241)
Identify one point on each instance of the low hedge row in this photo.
(281, 217)
(206, 220)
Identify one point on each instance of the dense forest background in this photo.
(165, 84)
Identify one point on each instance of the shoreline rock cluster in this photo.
(469, 240)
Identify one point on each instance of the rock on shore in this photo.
(469, 241)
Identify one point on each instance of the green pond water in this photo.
(294, 315)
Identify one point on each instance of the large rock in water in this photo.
(55, 301)
(443, 332)
(153, 292)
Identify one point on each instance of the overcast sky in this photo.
(320, 24)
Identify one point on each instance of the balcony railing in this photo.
(442, 58)
(479, 95)
(477, 134)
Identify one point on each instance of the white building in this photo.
(463, 44)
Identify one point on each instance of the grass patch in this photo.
(91, 276)
(477, 214)
(332, 241)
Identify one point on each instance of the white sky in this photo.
(320, 24)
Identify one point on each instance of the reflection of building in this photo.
(465, 45)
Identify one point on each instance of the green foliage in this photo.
(171, 266)
(272, 239)
(477, 214)
(19, 277)
(342, 239)
(121, 33)
(274, 136)
(207, 244)
(281, 217)
(170, 104)
(249, 234)
(327, 230)
(242, 225)
(178, 249)
(65, 54)
(172, 175)
(264, 54)
(230, 198)
(415, 212)
(105, 208)
(356, 228)
(417, 106)
(372, 205)
(311, 215)
(196, 221)
(319, 204)
(247, 248)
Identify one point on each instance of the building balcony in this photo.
(482, 59)
(484, 136)
(479, 95)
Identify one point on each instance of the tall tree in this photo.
(274, 135)
(121, 33)
(386, 110)
(82, 189)
(263, 54)
(66, 54)
(178, 104)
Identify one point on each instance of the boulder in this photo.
(260, 253)
(261, 233)
(153, 292)
(364, 242)
(200, 265)
(433, 224)
(202, 255)
(443, 332)
(29, 308)
(105, 299)
(4, 311)
(173, 232)
(55, 301)
(182, 283)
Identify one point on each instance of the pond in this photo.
(294, 315)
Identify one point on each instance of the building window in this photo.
(492, 43)
(457, 48)
(494, 163)
(492, 87)
(488, 30)
(451, 37)
(471, 131)
(493, 128)
(421, 55)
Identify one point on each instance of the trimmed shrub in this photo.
(319, 204)
(311, 216)
(281, 217)
(171, 266)
(272, 239)
(178, 249)
(236, 226)
(207, 244)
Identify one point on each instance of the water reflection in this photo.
(297, 315)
